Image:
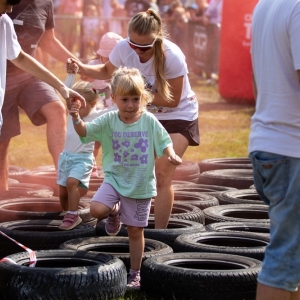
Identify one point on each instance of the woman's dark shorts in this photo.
(189, 129)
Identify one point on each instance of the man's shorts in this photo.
(30, 94)
(75, 165)
(189, 129)
(134, 212)
(277, 181)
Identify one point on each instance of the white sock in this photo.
(73, 212)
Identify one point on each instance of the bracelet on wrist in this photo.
(77, 122)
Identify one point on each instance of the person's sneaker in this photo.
(70, 221)
(113, 223)
(95, 172)
(134, 281)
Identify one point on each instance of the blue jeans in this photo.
(277, 181)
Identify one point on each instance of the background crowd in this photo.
(80, 25)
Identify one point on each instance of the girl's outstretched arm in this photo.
(78, 123)
(172, 156)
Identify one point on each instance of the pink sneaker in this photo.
(134, 281)
(113, 223)
(70, 221)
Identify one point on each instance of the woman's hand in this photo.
(73, 66)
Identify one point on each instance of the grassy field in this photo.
(224, 129)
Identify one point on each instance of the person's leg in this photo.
(63, 197)
(71, 218)
(105, 203)
(73, 193)
(99, 210)
(164, 171)
(4, 165)
(43, 106)
(265, 292)
(55, 115)
(10, 128)
(276, 179)
(136, 246)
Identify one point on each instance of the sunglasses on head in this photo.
(12, 2)
(140, 47)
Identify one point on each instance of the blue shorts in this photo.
(75, 165)
(134, 212)
(277, 181)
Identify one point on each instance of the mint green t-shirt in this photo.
(128, 151)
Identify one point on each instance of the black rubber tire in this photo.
(237, 243)
(39, 235)
(16, 172)
(225, 163)
(257, 228)
(12, 181)
(246, 196)
(202, 201)
(184, 211)
(237, 178)
(117, 246)
(38, 208)
(46, 177)
(25, 190)
(95, 183)
(63, 274)
(205, 276)
(175, 228)
(182, 182)
(187, 171)
(212, 190)
(237, 213)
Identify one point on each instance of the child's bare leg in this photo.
(136, 246)
(73, 192)
(63, 197)
(99, 210)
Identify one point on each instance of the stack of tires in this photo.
(212, 247)
(222, 259)
(30, 215)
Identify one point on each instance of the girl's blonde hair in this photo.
(85, 89)
(129, 82)
(150, 23)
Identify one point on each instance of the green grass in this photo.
(224, 130)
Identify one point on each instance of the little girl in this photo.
(77, 160)
(131, 137)
(107, 42)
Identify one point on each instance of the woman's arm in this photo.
(176, 86)
(101, 72)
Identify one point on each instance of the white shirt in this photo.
(175, 66)
(73, 143)
(9, 49)
(276, 57)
